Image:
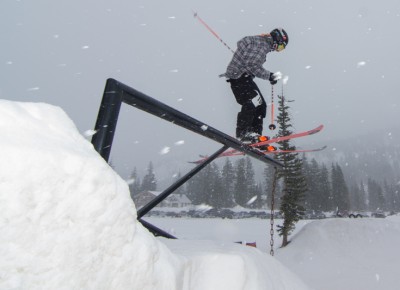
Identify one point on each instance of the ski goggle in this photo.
(280, 47)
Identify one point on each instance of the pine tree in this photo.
(356, 198)
(181, 189)
(325, 189)
(292, 175)
(214, 187)
(228, 179)
(251, 193)
(363, 194)
(134, 183)
(389, 194)
(375, 195)
(312, 198)
(207, 187)
(396, 193)
(195, 188)
(240, 187)
(260, 197)
(149, 182)
(340, 191)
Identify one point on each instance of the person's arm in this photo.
(254, 56)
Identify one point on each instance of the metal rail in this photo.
(116, 92)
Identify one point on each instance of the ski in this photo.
(282, 151)
(289, 137)
(283, 138)
(297, 150)
(234, 152)
(238, 153)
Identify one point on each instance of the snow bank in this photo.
(67, 221)
(346, 253)
(219, 265)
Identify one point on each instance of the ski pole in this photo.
(272, 125)
(196, 15)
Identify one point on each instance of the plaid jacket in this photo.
(250, 55)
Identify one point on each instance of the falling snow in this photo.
(165, 150)
(361, 63)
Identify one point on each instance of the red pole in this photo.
(211, 30)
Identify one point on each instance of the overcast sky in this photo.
(342, 62)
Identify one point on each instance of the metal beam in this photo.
(155, 230)
(149, 206)
(115, 93)
(141, 101)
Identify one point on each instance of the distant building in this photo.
(173, 200)
(176, 200)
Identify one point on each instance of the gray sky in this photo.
(342, 61)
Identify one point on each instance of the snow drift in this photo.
(67, 221)
(346, 253)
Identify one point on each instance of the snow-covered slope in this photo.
(346, 253)
(67, 221)
(335, 253)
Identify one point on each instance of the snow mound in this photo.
(67, 221)
(350, 253)
(232, 266)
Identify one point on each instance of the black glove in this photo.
(272, 79)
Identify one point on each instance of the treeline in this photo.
(235, 184)
(226, 187)
(137, 185)
(330, 190)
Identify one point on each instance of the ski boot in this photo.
(267, 147)
(251, 138)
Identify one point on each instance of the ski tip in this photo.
(317, 129)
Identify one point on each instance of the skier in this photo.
(246, 64)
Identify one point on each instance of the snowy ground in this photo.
(325, 254)
(67, 222)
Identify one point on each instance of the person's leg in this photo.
(244, 124)
(244, 92)
(258, 117)
(260, 111)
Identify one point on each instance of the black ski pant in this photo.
(250, 118)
